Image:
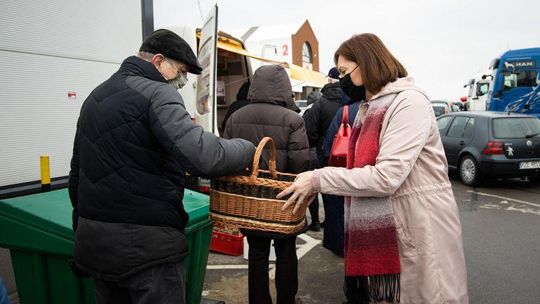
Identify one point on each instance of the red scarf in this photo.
(372, 265)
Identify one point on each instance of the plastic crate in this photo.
(227, 243)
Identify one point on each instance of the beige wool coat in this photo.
(411, 169)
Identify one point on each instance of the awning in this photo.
(238, 49)
(308, 77)
(233, 45)
(312, 78)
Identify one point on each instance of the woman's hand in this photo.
(302, 192)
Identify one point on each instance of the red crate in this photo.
(227, 243)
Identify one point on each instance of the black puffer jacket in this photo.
(271, 113)
(319, 117)
(133, 142)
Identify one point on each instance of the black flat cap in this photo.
(173, 46)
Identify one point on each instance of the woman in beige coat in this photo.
(403, 235)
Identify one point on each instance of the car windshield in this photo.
(516, 127)
(438, 110)
(301, 103)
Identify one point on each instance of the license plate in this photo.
(530, 165)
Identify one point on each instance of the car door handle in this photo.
(462, 143)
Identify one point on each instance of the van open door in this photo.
(205, 113)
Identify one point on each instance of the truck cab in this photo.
(479, 87)
(516, 82)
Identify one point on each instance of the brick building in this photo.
(305, 47)
(295, 44)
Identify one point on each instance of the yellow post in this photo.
(45, 173)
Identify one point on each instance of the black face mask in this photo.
(355, 93)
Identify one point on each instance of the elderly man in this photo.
(133, 142)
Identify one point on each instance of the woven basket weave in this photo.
(250, 201)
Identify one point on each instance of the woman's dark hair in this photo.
(377, 65)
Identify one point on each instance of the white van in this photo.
(53, 54)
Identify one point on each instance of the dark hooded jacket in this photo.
(312, 97)
(134, 141)
(319, 117)
(241, 101)
(271, 112)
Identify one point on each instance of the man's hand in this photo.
(302, 192)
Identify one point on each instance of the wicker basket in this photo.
(250, 201)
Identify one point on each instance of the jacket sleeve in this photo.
(200, 152)
(312, 119)
(298, 148)
(73, 181)
(407, 132)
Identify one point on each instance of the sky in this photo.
(441, 43)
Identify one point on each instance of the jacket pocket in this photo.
(404, 236)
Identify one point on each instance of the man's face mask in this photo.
(179, 82)
(355, 93)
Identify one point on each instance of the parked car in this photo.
(302, 104)
(459, 106)
(451, 105)
(491, 144)
(440, 109)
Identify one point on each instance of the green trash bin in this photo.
(37, 231)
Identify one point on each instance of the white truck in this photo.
(479, 87)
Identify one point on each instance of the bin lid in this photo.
(51, 211)
(197, 205)
(47, 211)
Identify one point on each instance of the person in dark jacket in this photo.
(271, 112)
(313, 97)
(133, 142)
(317, 120)
(322, 112)
(241, 101)
(334, 229)
(314, 163)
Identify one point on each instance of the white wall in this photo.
(47, 49)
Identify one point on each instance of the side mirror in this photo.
(486, 76)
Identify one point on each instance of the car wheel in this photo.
(469, 172)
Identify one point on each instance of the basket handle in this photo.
(271, 161)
